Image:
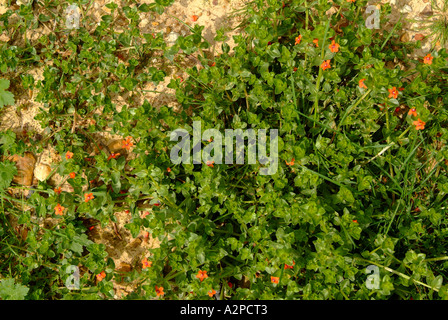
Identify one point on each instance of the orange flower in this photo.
(72, 175)
(194, 17)
(59, 210)
(202, 274)
(325, 65)
(334, 47)
(290, 163)
(113, 156)
(101, 276)
(351, 0)
(298, 39)
(419, 124)
(211, 293)
(57, 190)
(274, 279)
(146, 263)
(168, 169)
(355, 221)
(88, 196)
(69, 155)
(213, 64)
(146, 236)
(428, 59)
(159, 291)
(361, 84)
(290, 267)
(393, 93)
(210, 163)
(127, 143)
(295, 69)
(316, 41)
(145, 213)
(412, 112)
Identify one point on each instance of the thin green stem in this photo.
(319, 76)
(397, 273)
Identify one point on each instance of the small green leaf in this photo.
(12, 291)
(6, 98)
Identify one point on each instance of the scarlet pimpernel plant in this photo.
(361, 154)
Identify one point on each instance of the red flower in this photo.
(88, 196)
(127, 143)
(393, 93)
(57, 190)
(419, 124)
(298, 39)
(290, 267)
(168, 169)
(211, 293)
(194, 17)
(72, 175)
(355, 221)
(202, 275)
(230, 284)
(101, 276)
(412, 112)
(210, 163)
(325, 65)
(113, 156)
(361, 84)
(159, 291)
(59, 210)
(295, 69)
(274, 279)
(68, 155)
(146, 263)
(428, 59)
(145, 213)
(334, 47)
(213, 64)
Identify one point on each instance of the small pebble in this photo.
(42, 171)
(171, 38)
(406, 8)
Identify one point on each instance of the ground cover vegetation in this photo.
(361, 179)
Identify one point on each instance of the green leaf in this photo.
(144, 8)
(116, 183)
(7, 172)
(6, 98)
(12, 291)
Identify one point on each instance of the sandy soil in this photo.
(126, 251)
